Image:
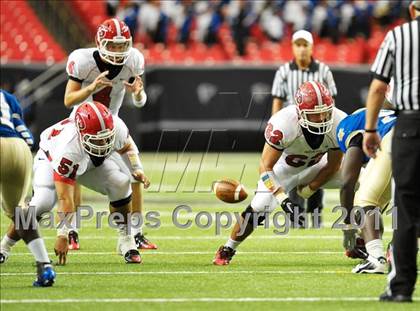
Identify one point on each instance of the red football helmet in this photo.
(114, 41)
(96, 128)
(315, 107)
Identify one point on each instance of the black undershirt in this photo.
(97, 161)
(114, 70)
(313, 140)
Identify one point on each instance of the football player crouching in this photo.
(79, 149)
(302, 151)
(374, 193)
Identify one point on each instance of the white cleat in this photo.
(127, 247)
(371, 265)
(125, 243)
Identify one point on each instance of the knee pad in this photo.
(252, 214)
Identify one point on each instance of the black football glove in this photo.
(295, 212)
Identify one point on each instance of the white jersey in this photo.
(61, 144)
(82, 66)
(284, 133)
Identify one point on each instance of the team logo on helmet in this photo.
(81, 125)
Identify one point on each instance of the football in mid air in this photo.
(229, 190)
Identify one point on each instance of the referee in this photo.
(398, 57)
(289, 77)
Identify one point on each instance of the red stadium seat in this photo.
(24, 37)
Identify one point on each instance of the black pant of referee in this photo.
(406, 171)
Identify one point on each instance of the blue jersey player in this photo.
(15, 177)
(374, 193)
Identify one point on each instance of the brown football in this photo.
(229, 190)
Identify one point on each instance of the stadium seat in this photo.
(24, 37)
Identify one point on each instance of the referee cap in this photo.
(303, 34)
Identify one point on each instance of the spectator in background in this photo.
(129, 15)
(153, 21)
(271, 21)
(182, 15)
(217, 19)
(241, 22)
(330, 27)
(294, 13)
(361, 24)
(111, 7)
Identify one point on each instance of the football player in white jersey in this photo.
(301, 151)
(104, 74)
(79, 148)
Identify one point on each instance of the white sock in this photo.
(7, 243)
(74, 224)
(135, 228)
(37, 248)
(232, 243)
(375, 248)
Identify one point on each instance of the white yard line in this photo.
(186, 300)
(96, 273)
(212, 237)
(148, 252)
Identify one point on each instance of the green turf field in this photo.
(303, 270)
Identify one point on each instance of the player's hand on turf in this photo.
(136, 87)
(61, 248)
(100, 82)
(349, 238)
(371, 144)
(140, 176)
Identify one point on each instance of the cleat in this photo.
(385, 297)
(45, 275)
(132, 256)
(143, 243)
(359, 251)
(74, 241)
(127, 248)
(3, 256)
(223, 256)
(371, 265)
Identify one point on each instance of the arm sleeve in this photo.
(329, 79)
(76, 68)
(276, 132)
(384, 62)
(20, 126)
(65, 168)
(138, 63)
(122, 136)
(278, 88)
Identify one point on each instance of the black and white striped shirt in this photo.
(289, 77)
(398, 57)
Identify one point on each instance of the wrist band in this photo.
(371, 131)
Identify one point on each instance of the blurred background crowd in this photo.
(196, 32)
